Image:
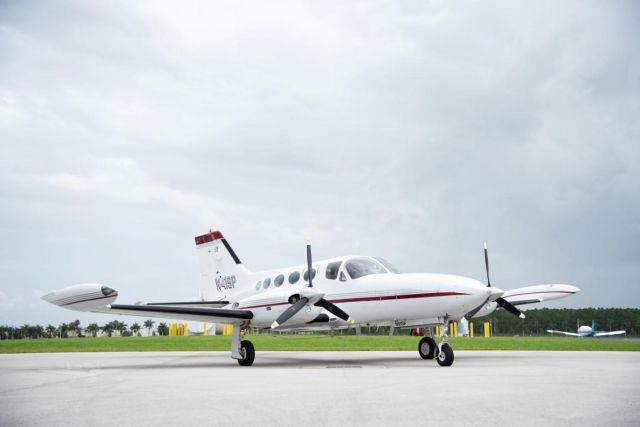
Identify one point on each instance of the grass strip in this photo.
(310, 343)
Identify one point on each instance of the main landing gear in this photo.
(443, 353)
(242, 350)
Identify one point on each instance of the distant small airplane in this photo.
(360, 289)
(588, 331)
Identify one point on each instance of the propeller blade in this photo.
(333, 309)
(309, 262)
(473, 312)
(510, 307)
(290, 312)
(486, 263)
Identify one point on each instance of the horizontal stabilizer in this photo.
(98, 298)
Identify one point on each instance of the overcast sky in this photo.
(410, 130)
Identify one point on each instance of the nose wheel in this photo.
(445, 356)
(443, 353)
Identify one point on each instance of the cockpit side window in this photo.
(343, 277)
(359, 267)
(387, 265)
(332, 270)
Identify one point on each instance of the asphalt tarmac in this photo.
(320, 388)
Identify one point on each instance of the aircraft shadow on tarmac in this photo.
(278, 361)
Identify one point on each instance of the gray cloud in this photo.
(411, 131)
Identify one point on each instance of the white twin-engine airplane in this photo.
(337, 293)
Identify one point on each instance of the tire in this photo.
(445, 358)
(248, 353)
(427, 348)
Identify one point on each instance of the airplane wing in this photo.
(97, 298)
(608, 334)
(214, 304)
(571, 334)
(539, 293)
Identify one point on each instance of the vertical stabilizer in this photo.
(222, 271)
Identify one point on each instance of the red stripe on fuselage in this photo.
(372, 298)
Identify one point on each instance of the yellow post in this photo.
(471, 329)
(436, 330)
(204, 328)
(487, 331)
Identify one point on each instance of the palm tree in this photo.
(51, 331)
(119, 326)
(93, 329)
(163, 329)
(75, 328)
(63, 330)
(149, 324)
(37, 331)
(24, 331)
(122, 328)
(108, 329)
(135, 328)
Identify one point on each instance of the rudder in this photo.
(222, 271)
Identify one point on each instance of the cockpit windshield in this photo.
(387, 265)
(359, 267)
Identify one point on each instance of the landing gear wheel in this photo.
(248, 353)
(427, 348)
(445, 357)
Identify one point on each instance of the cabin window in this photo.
(278, 280)
(294, 277)
(359, 267)
(306, 274)
(258, 284)
(332, 270)
(266, 283)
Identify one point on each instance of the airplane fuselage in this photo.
(382, 297)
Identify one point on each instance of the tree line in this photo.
(75, 329)
(502, 323)
(563, 319)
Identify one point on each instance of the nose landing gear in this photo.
(428, 349)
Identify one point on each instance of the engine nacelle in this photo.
(83, 297)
